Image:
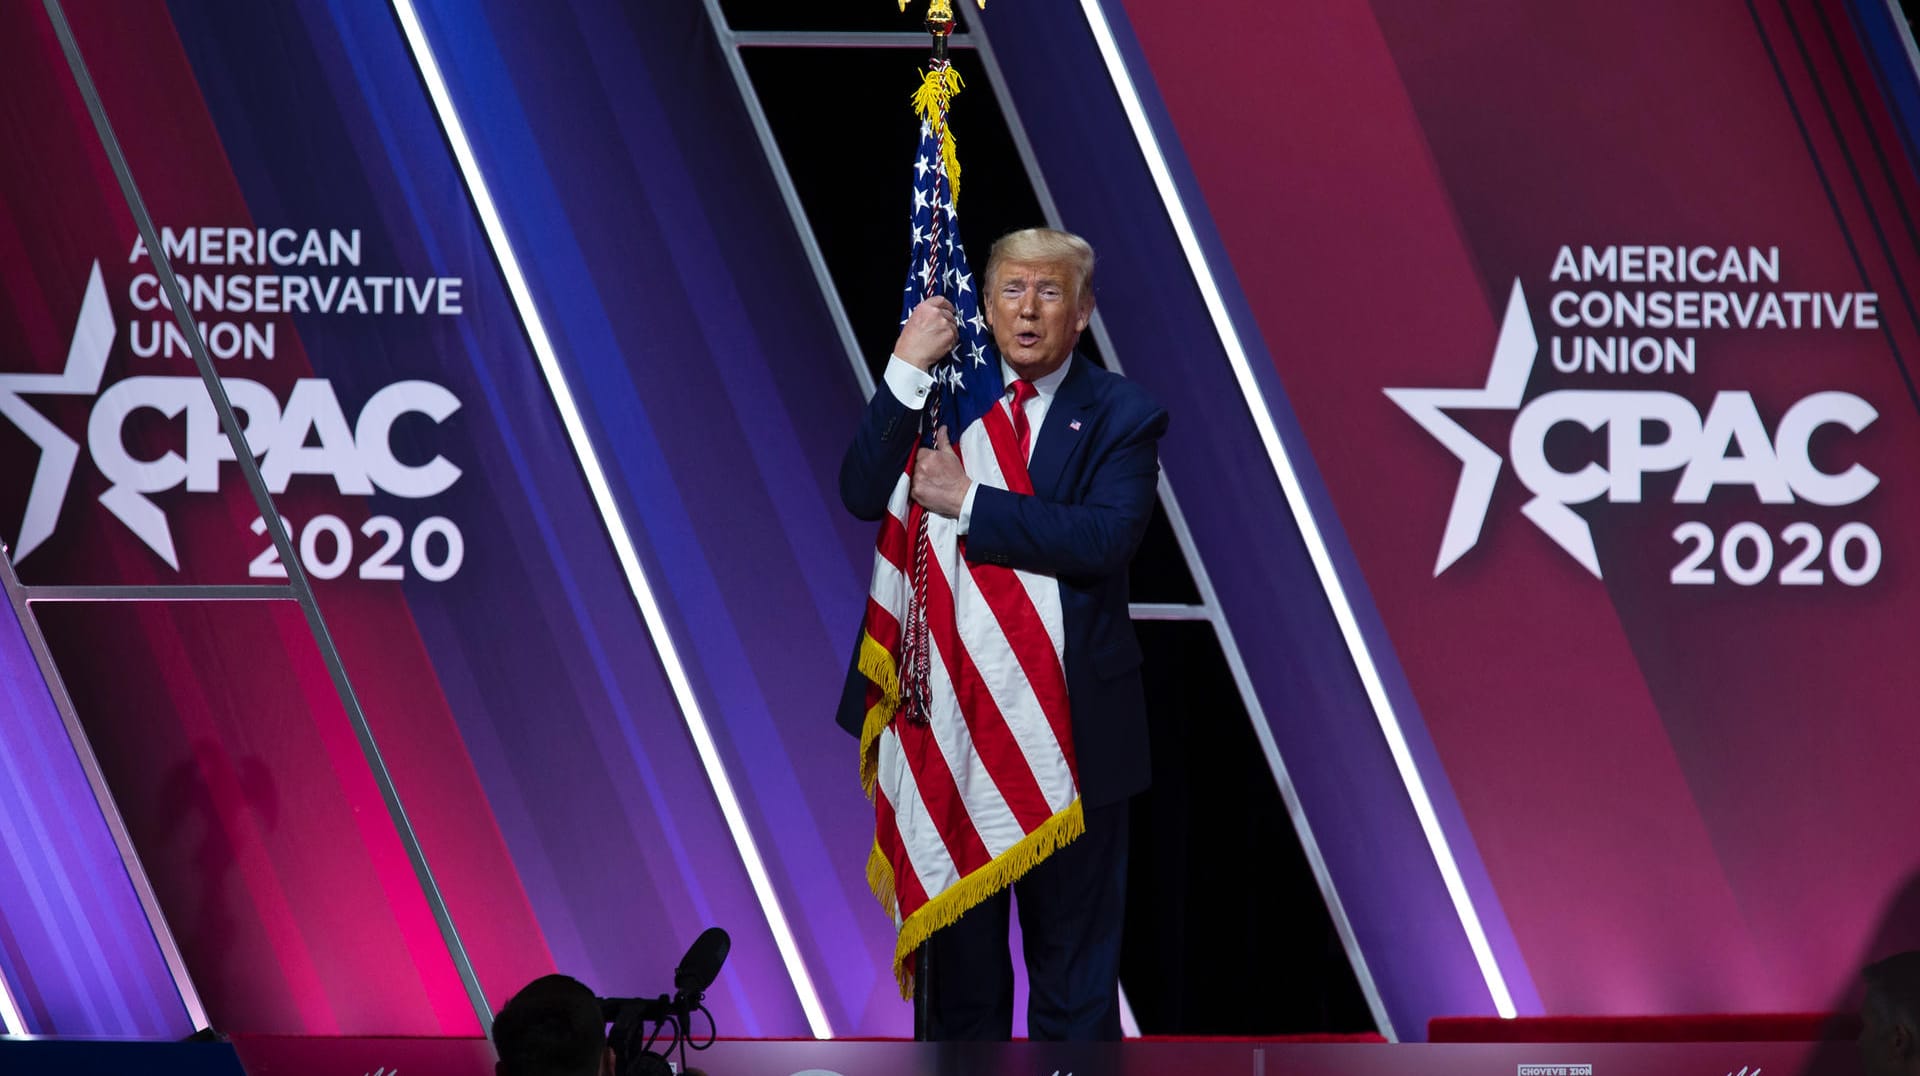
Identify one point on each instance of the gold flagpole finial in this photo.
(940, 12)
(938, 85)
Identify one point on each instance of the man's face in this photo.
(1036, 313)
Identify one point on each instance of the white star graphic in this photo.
(921, 166)
(1513, 356)
(93, 333)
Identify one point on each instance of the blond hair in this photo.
(1046, 245)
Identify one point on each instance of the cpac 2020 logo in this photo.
(307, 435)
(1727, 446)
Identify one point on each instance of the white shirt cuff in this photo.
(966, 508)
(909, 384)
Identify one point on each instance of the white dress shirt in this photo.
(910, 385)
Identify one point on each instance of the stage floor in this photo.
(290, 1056)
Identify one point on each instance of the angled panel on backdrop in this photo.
(685, 316)
(1636, 651)
(309, 199)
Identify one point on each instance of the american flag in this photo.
(970, 377)
(972, 797)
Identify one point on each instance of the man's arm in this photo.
(878, 455)
(871, 469)
(1094, 538)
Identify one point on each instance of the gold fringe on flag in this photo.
(1005, 869)
(938, 87)
(876, 665)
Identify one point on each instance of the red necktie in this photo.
(1023, 391)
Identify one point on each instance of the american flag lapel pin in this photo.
(1074, 425)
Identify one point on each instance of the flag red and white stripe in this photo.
(972, 779)
(970, 800)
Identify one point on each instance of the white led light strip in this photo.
(1896, 11)
(9, 1012)
(610, 515)
(1303, 517)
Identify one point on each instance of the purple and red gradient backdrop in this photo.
(1663, 798)
(522, 711)
(1687, 798)
(75, 947)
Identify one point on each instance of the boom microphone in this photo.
(701, 966)
(697, 971)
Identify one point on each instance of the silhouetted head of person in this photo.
(552, 1027)
(1890, 1017)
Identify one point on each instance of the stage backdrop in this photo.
(1587, 327)
(340, 275)
(1597, 322)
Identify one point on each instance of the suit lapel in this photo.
(1063, 432)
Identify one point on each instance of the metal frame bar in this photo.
(190, 592)
(1899, 16)
(625, 549)
(1168, 611)
(21, 599)
(1317, 551)
(849, 39)
(297, 581)
(730, 44)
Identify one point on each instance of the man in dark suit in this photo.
(1093, 459)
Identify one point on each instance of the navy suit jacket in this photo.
(1094, 487)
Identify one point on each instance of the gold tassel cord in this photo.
(938, 87)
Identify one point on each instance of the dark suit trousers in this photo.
(1072, 907)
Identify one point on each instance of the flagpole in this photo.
(939, 26)
(902, 723)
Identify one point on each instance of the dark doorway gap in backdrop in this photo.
(852, 176)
